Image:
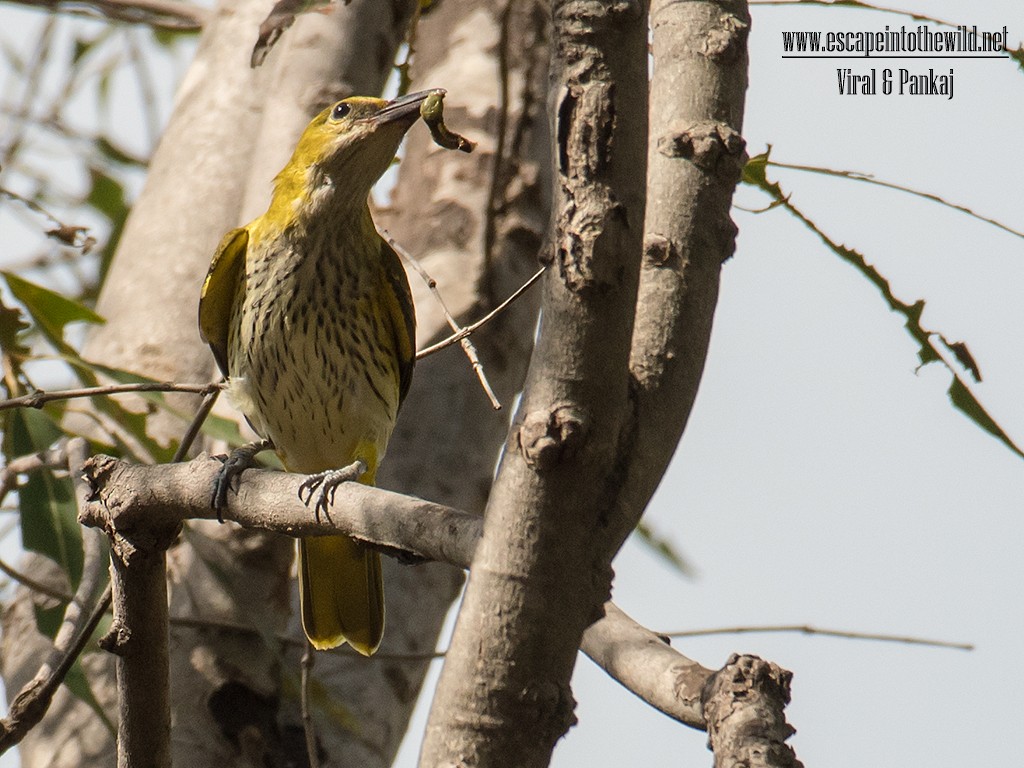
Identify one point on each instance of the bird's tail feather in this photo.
(341, 593)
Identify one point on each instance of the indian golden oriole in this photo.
(309, 315)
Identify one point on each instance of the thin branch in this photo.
(467, 345)
(33, 701)
(308, 726)
(220, 625)
(809, 630)
(38, 59)
(209, 400)
(52, 458)
(869, 179)
(36, 586)
(40, 397)
(159, 14)
(144, 77)
(471, 328)
(70, 235)
(856, 4)
(136, 497)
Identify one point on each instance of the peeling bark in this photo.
(744, 703)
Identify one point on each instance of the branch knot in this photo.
(728, 40)
(712, 146)
(548, 438)
(744, 705)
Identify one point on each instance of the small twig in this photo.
(69, 234)
(40, 397)
(33, 701)
(809, 630)
(404, 79)
(869, 179)
(467, 345)
(38, 59)
(52, 458)
(160, 14)
(308, 726)
(197, 422)
(462, 333)
(220, 625)
(36, 586)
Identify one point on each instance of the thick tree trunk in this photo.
(537, 578)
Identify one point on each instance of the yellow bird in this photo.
(309, 314)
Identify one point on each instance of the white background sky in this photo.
(824, 480)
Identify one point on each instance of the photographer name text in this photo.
(899, 82)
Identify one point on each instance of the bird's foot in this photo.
(235, 463)
(324, 484)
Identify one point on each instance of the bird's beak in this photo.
(404, 107)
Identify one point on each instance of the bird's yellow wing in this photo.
(402, 315)
(219, 290)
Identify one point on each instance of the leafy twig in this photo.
(960, 391)
(69, 234)
(869, 179)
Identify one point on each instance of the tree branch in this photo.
(159, 14)
(743, 704)
(132, 499)
(695, 158)
(40, 397)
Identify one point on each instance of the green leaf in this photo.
(50, 311)
(12, 325)
(48, 620)
(49, 517)
(220, 428)
(107, 196)
(661, 545)
(168, 38)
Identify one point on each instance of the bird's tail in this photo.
(341, 593)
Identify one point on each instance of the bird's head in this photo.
(348, 146)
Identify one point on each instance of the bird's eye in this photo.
(340, 110)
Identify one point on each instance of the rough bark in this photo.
(743, 703)
(537, 579)
(138, 638)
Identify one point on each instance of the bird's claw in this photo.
(230, 475)
(327, 484)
